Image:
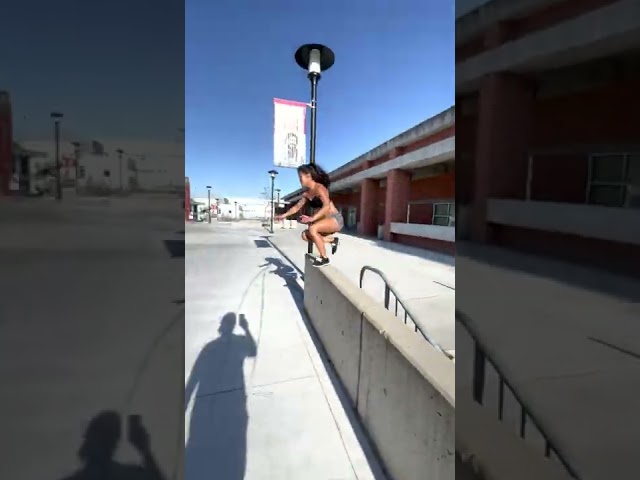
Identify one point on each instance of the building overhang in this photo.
(439, 152)
(575, 41)
(427, 128)
(482, 14)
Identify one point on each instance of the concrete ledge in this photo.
(402, 389)
(494, 452)
(436, 232)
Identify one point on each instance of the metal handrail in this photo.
(481, 357)
(388, 289)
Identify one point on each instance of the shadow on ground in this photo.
(290, 277)
(175, 248)
(217, 438)
(101, 440)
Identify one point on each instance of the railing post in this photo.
(478, 374)
(386, 296)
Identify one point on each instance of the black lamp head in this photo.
(306, 59)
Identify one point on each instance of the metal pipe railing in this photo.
(408, 314)
(480, 360)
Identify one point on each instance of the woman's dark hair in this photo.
(317, 173)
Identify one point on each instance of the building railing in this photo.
(482, 357)
(408, 314)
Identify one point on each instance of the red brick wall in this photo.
(441, 187)
(563, 121)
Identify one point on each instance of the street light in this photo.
(120, 153)
(315, 59)
(57, 116)
(76, 152)
(272, 174)
(209, 201)
(278, 201)
(235, 210)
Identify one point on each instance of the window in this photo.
(81, 172)
(444, 214)
(614, 180)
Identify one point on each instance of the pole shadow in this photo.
(217, 439)
(101, 440)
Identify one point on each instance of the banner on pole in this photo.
(289, 140)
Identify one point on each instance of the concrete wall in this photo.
(402, 389)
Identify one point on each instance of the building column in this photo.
(502, 146)
(368, 207)
(396, 200)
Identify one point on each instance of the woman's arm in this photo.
(295, 209)
(326, 204)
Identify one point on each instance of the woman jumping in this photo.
(326, 219)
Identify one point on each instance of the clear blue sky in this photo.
(394, 68)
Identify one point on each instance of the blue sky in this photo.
(394, 68)
(115, 69)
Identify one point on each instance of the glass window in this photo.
(607, 195)
(441, 209)
(607, 168)
(633, 170)
(441, 221)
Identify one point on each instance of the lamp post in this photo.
(120, 153)
(235, 210)
(278, 200)
(209, 201)
(272, 174)
(57, 116)
(76, 153)
(315, 59)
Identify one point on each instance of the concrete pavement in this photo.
(425, 279)
(261, 402)
(568, 338)
(90, 321)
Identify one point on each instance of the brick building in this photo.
(403, 190)
(547, 95)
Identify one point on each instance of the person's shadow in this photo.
(284, 271)
(217, 438)
(101, 440)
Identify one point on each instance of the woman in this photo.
(326, 219)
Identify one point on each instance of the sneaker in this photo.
(321, 262)
(334, 245)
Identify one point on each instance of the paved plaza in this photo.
(261, 402)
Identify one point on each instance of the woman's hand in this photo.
(305, 219)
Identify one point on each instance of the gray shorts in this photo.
(339, 219)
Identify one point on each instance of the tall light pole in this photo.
(272, 174)
(278, 199)
(209, 201)
(120, 153)
(235, 210)
(76, 154)
(57, 116)
(315, 59)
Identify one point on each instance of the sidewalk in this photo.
(261, 402)
(425, 279)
